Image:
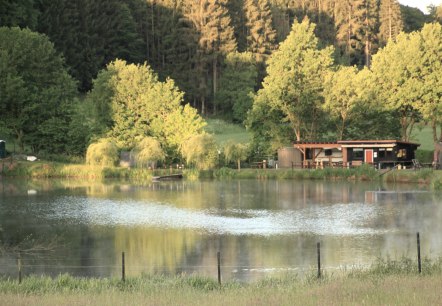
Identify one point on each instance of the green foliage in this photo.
(396, 72)
(201, 151)
(148, 152)
(390, 18)
(294, 83)
(236, 152)
(90, 34)
(345, 96)
(424, 156)
(131, 103)
(18, 13)
(236, 85)
(429, 65)
(414, 18)
(103, 153)
(35, 90)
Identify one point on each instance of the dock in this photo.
(170, 177)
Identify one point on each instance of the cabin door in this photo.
(368, 156)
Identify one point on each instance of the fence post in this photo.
(419, 265)
(123, 268)
(19, 267)
(318, 248)
(219, 267)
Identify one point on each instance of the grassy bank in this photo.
(385, 283)
(43, 169)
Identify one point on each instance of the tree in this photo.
(200, 150)
(413, 18)
(236, 152)
(343, 95)
(149, 152)
(261, 37)
(90, 34)
(18, 13)
(429, 75)
(35, 90)
(135, 104)
(103, 153)
(390, 20)
(396, 73)
(356, 22)
(236, 85)
(211, 21)
(295, 77)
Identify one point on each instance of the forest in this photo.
(143, 74)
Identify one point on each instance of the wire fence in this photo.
(30, 265)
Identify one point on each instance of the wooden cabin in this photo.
(348, 153)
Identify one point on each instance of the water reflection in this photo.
(261, 227)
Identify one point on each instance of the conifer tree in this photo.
(90, 33)
(390, 19)
(18, 13)
(261, 37)
(216, 39)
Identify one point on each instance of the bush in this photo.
(201, 151)
(424, 156)
(102, 153)
(148, 152)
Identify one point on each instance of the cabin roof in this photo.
(349, 143)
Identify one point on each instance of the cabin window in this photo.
(402, 153)
(382, 153)
(328, 152)
(358, 153)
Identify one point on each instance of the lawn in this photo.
(224, 131)
(424, 135)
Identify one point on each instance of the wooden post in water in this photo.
(318, 248)
(19, 267)
(123, 268)
(419, 265)
(219, 267)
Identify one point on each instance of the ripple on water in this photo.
(337, 219)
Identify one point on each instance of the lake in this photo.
(261, 227)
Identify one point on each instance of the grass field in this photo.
(385, 283)
(423, 135)
(224, 131)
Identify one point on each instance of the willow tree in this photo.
(294, 82)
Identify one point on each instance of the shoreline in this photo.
(44, 169)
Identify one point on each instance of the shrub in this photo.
(102, 153)
(148, 152)
(201, 151)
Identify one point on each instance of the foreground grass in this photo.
(386, 283)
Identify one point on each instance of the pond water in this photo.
(261, 227)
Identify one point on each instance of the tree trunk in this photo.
(215, 72)
(434, 129)
(341, 129)
(239, 164)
